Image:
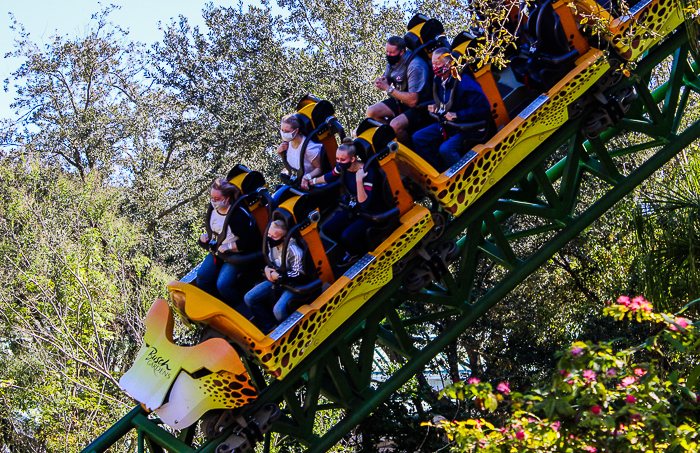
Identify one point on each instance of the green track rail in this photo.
(340, 369)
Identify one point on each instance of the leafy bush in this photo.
(601, 397)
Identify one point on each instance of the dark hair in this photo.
(397, 41)
(442, 51)
(228, 190)
(292, 120)
(348, 146)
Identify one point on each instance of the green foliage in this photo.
(601, 397)
(74, 288)
(668, 228)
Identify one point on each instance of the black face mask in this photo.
(393, 59)
(274, 242)
(345, 166)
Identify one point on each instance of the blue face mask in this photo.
(345, 166)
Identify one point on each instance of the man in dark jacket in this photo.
(441, 146)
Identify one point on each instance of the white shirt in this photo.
(313, 150)
(217, 222)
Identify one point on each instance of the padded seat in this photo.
(551, 55)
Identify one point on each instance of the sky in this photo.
(44, 18)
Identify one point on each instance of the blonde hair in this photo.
(279, 225)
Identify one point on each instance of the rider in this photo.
(292, 141)
(265, 294)
(440, 146)
(406, 81)
(345, 227)
(215, 276)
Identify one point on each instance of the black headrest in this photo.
(306, 100)
(251, 182)
(381, 138)
(432, 29)
(417, 20)
(412, 41)
(461, 39)
(551, 37)
(237, 170)
(306, 126)
(363, 148)
(321, 112)
(472, 43)
(301, 207)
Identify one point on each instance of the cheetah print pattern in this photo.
(320, 319)
(648, 23)
(228, 390)
(489, 162)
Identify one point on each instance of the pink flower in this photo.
(636, 416)
(640, 372)
(576, 351)
(503, 387)
(629, 380)
(595, 410)
(589, 448)
(589, 375)
(473, 380)
(624, 300)
(639, 302)
(611, 372)
(564, 373)
(684, 323)
(630, 399)
(556, 425)
(520, 435)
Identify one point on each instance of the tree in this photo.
(79, 100)
(74, 288)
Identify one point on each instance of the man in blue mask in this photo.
(406, 80)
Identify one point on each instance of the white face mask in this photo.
(219, 204)
(288, 136)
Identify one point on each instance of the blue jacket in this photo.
(471, 104)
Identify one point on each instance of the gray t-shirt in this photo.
(414, 79)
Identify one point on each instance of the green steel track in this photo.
(340, 369)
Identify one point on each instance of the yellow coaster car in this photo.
(181, 383)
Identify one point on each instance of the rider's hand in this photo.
(283, 147)
(360, 175)
(432, 108)
(381, 83)
(449, 116)
(204, 238)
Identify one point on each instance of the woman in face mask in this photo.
(345, 228)
(290, 149)
(263, 296)
(215, 276)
